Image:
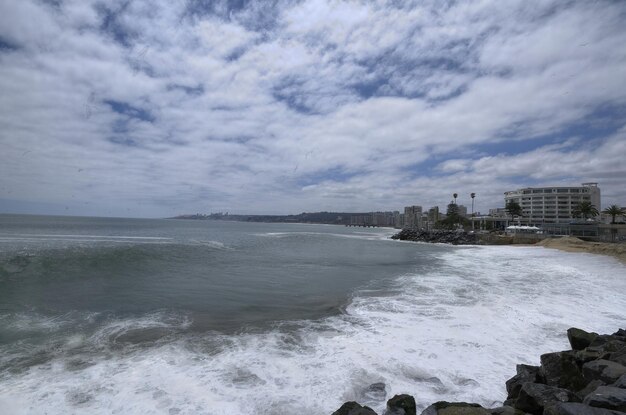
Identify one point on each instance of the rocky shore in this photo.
(589, 379)
(438, 236)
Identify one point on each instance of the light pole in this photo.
(472, 195)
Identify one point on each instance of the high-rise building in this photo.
(552, 204)
(413, 217)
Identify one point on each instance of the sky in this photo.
(146, 108)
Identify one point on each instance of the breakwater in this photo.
(589, 379)
(438, 236)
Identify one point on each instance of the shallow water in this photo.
(157, 316)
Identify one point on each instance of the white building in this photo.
(553, 204)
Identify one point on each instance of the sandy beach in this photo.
(571, 244)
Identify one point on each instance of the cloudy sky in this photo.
(155, 108)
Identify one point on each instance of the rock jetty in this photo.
(589, 379)
(438, 236)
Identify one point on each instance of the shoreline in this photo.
(573, 244)
(564, 243)
(588, 379)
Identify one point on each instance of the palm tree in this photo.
(513, 208)
(614, 211)
(454, 195)
(585, 209)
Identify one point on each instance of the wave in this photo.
(454, 332)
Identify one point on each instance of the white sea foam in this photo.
(210, 244)
(454, 333)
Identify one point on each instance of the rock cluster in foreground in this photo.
(590, 379)
(438, 236)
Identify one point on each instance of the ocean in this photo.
(147, 316)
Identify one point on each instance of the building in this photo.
(433, 214)
(497, 213)
(462, 210)
(552, 204)
(383, 218)
(413, 217)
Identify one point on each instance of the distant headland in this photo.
(326, 218)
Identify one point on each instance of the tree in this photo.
(454, 195)
(585, 209)
(513, 208)
(614, 211)
(453, 218)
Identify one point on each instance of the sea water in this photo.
(211, 317)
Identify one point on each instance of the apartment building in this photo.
(413, 217)
(553, 204)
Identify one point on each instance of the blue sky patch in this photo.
(130, 111)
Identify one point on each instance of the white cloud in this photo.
(310, 105)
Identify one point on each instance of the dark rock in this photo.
(533, 397)
(505, 410)
(525, 373)
(619, 357)
(560, 369)
(571, 408)
(579, 339)
(621, 382)
(510, 402)
(620, 333)
(353, 408)
(607, 397)
(455, 408)
(609, 343)
(438, 236)
(589, 354)
(401, 405)
(604, 370)
(591, 386)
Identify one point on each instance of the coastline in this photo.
(565, 243)
(573, 244)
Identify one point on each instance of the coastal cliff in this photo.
(589, 379)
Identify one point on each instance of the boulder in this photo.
(620, 383)
(505, 410)
(534, 397)
(579, 339)
(455, 408)
(607, 397)
(353, 408)
(591, 386)
(560, 369)
(401, 405)
(618, 356)
(525, 373)
(589, 354)
(572, 408)
(609, 343)
(604, 370)
(620, 333)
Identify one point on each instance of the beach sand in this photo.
(572, 244)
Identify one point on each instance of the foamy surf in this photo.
(453, 332)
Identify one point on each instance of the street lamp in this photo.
(472, 195)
